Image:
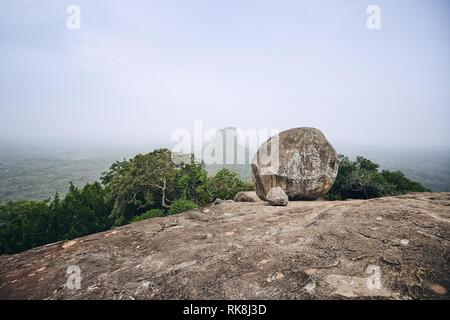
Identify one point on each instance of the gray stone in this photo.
(218, 201)
(301, 161)
(246, 196)
(277, 197)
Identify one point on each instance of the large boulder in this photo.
(301, 161)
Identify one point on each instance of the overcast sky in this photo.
(138, 70)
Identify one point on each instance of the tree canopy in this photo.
(361, 179)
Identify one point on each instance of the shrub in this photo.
(225, 184)
(82, 211)
(192, 182)
(153, 213)
(401, 183)
(361, 179)
(181, 205)
(248, 186)
(139, 184)
(24, 225)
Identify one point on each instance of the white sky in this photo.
(138, 70)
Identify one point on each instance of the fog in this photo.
(136, 71)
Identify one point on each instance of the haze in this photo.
(138, 70)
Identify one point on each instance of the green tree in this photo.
(27, 224)
(181, 205)
(117, 168)
(153, 181)
(24, 225)
(361, 179)
(153, 213)
(363, 164)
(225, 184)
(402, 184)
(192, 182)
(81, 212)
(137, 185)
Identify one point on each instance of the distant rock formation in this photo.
(301, 161)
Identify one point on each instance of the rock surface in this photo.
(246, 196)
(301, 161)
(218, 201)
(277, 197)
(308, 250)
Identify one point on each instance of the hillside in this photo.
(307, 250)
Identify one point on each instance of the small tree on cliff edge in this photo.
(153, 181)
(139, 184)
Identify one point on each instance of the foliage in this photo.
(401, 183)
(225, 184)
(81, 212)
(192, 182)
(27, 224)
(36, 174)
(139, 184)
(24, 225)
(153, 181)
(361, 179)
(248, 186)
(153, 213)
(181, 205)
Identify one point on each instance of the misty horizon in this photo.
(132, 74)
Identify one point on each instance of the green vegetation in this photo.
(225, 184)
(24, 225)
(151, 185)
(153, 181)
(140, 184)
(361, 179)
(27, 224)
(147, 186)
(181, 205)
(401, 184)
(32, 173)
(153, 213)
(82, 211)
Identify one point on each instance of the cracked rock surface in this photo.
(388, 248)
